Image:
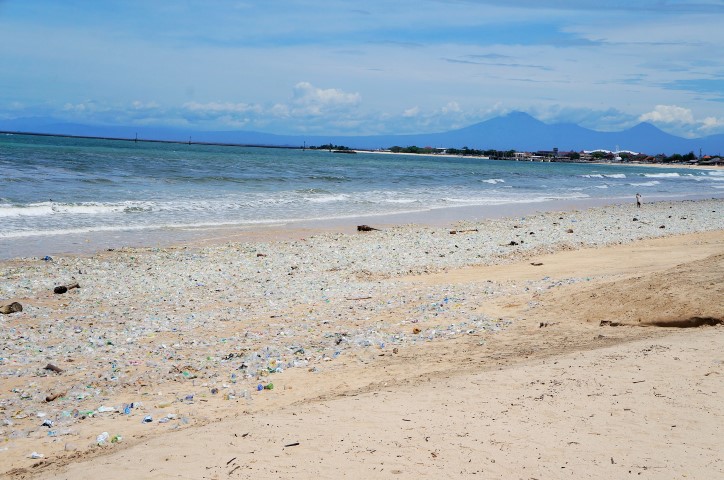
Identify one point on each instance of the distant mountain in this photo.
(515, 131)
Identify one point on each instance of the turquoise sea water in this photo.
(51, 186)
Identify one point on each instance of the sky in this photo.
(363, 68)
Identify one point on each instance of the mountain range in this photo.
(515, 131)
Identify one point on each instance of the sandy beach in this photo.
(549, 345)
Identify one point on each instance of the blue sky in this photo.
(349, 67)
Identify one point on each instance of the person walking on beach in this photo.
(638, 200)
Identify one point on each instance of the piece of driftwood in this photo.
(365, 228)
(53, 368)
(11, 308)
(453, 232)
(53, 396)
(64, 288)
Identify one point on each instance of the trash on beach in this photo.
(36, 455)
(11, 308)
(366, 228)
(64, 288)
(102, 438)
(141, 324)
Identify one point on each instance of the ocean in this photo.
(58, 191)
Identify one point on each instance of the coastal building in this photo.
(718, 161)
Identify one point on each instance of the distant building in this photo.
(712, 161)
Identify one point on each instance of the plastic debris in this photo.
(102, 438)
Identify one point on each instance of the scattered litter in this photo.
(151, 318)
(102, 438)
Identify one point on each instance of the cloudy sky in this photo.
(351, 67)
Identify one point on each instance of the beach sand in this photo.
(543, 346)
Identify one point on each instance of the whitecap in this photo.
(661, 175)
(328, 198)
(54, 208)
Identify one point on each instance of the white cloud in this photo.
(88, 107)
(668, 114)
(451, 107)
(74, 107)
(310, 100)
(411, 112)
(712, 124)
(683, 120)
(280, 110)
(220, 107)
(139, 105)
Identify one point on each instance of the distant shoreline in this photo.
(356, 150)
(629, 164)
(148, 140)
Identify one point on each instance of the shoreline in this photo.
(629, 164)
(187, 333)
(89, 243)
